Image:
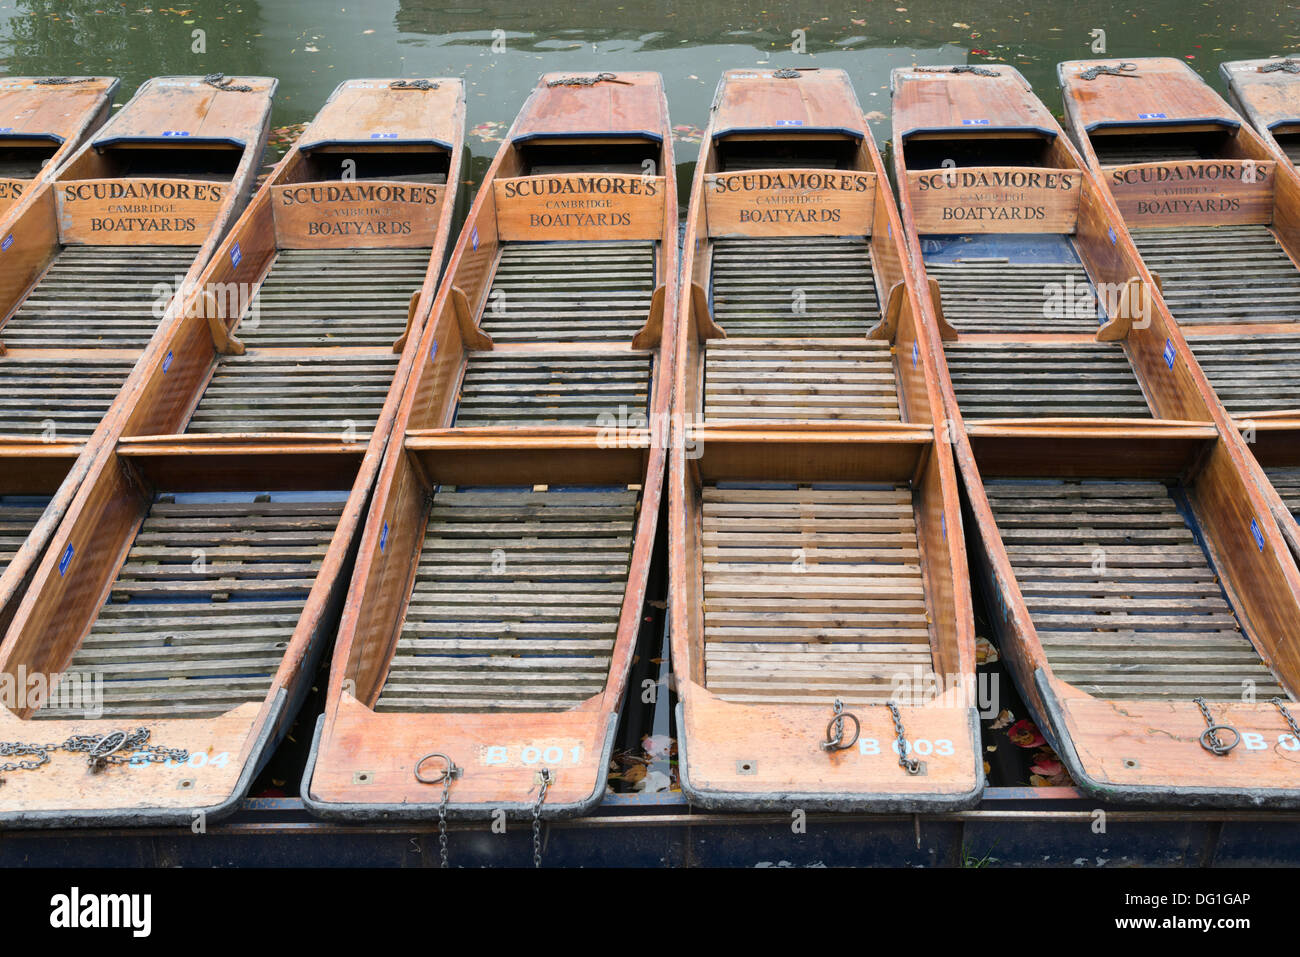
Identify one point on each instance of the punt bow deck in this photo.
(484, 651)
(1267, 92)
(1139, 586)
(202, 568)
(1214, 208)
(43, 121)
(79, 285)
(817, 563)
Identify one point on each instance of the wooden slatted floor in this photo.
(1044, 380)
(1222, 273)
(1126, 150)
(794, 287)
(570, 292)
(275, 392)
(58, 398)
(97, 297)
(184, 637)
(799, 380)
(334, 297)
(516, 601)
(1287, 484)
(552, 388)
(1251, 373)
(812, 593)
(999, 296)
(1121, 594)
(18, 516)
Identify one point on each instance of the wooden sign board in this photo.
(995, 199)
(356, 215)
(583, 206)
(11, 190)
(790, 202)
(1194, 192)
(138, 212)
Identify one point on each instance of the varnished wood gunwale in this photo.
(87, 101)
(32, 237)
(742, 751)
(1200, 452)
(363, 760)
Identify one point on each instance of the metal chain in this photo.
(582, 80)
(413, 85)
(1287, 716)
(1125, 68)
(537, 816)
(115, 747)
(222, 82)
(61, 80)
(786, 74)
(974, 70)
(1210, 736)
(1289, 65)
(835, 730)
(910, 765)
(448, 774)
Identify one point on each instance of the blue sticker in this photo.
(789, 122)
(383, 538)
(889, 228)
(65, 560)
(974, 122)
(1113, 237)
(433, 350)
(167, 362)
(1153, 116)
(943, 525)
(235, 255)
(473, 237)
(9, 241)
(915, 352)
(383, 136)
(1259, 536)
(6, 129)
(176, 132)
(1169, 353)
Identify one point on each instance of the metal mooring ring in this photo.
(1209, 735)
(451, 771)
(827, 745)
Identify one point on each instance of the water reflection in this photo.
(312, 46)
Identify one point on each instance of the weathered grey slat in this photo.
(570, 292)
(1191, 259)
(1044, 380)
(197, 625)
(311, 393)
(334, 297)
(516, 601)
(1109, 626)
(503, 388)
(1016, 297)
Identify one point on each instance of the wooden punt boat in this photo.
(1214, 208)
(1137, 580)
(43, 121)
(207, 554)
(501, 576)
(817, 562)
(79, 302)
(1267, 92)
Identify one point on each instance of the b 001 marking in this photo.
(531, 755)
(197, 759)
